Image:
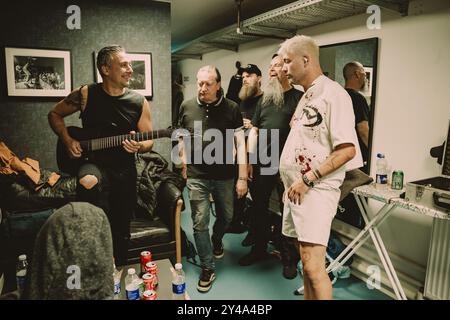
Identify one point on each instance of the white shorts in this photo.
(311, 220)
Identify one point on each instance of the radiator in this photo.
(437, 280)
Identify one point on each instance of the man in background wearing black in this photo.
(249, 95)
(355, 80)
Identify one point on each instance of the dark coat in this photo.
(152, 170)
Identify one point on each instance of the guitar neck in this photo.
(116, 141)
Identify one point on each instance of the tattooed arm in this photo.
(74, 102)
(340, 156)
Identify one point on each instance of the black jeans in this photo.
(115, 193)
(260, 221)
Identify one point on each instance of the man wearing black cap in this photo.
(249, 95)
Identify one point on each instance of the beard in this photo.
(273, 93)
(247, 91)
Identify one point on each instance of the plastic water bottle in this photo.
(382, 171)
(116, 276)
(132, 285)
(178, 283)
(21, 272)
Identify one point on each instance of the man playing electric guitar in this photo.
(108, 179)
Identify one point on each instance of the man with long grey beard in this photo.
(273, 113)
(249, 94)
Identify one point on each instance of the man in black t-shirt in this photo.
(271, 119)
(355, 80)
(208, 165)
(249, 95)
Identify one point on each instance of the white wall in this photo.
(257, 52)
(412, 100)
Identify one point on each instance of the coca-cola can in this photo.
(149, 295)
(152, 267)
(146, 256)
(149, 281)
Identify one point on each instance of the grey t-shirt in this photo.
(273, 117)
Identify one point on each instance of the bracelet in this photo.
(243, 178)
(317, 174)
(307, 182)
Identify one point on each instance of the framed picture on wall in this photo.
(367, 91)
(141, 79)
(38, 72)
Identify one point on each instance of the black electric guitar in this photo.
(94, 140)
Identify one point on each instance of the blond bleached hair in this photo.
(300, 45)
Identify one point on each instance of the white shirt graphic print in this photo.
(323, 119)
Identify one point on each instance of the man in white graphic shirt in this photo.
(321, 146)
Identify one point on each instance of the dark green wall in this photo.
(138, 25)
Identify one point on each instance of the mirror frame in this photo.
(375, 41)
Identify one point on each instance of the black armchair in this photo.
(161, 236)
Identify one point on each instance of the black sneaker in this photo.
(290, 271)
(249, 240)
(236, 228)
(217, 248)
(206, 279)
(253, 257)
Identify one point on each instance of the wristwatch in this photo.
(308, 182)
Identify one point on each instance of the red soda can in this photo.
(149, 295)
(152, 267)
(149, 281)
(146, 257)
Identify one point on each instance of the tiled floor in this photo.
(261, 281)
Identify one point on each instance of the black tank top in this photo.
(112, 115)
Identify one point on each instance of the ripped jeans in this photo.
(115, 193)
(222, 192)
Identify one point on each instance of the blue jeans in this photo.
(222, 192)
